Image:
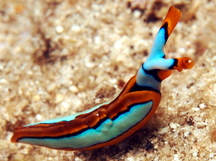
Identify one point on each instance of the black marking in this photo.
(165, 27)
(129, 108)
(153, 73)
(67, 135)
(136, 87)
(174, 64)
(122, 112)
(55, 137)
(99, 123)
(135, 104)
(83, 130)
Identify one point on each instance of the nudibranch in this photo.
(111, 122)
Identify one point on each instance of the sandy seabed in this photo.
(62, 57)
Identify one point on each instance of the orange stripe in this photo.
(147, 95)
(172, 19)
(81, 122)
(119, 105)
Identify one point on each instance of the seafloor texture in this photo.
(58, 58)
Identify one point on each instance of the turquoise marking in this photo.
(158, 45)
(160, 63)
(143, 79)
(68, 118)
(106, 131)
(110, 131)
(155, 61)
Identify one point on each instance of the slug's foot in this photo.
(184, 63)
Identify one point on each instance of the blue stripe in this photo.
(68, 118)
(108, 130)
(147, 80)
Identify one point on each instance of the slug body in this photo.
(112, 122)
